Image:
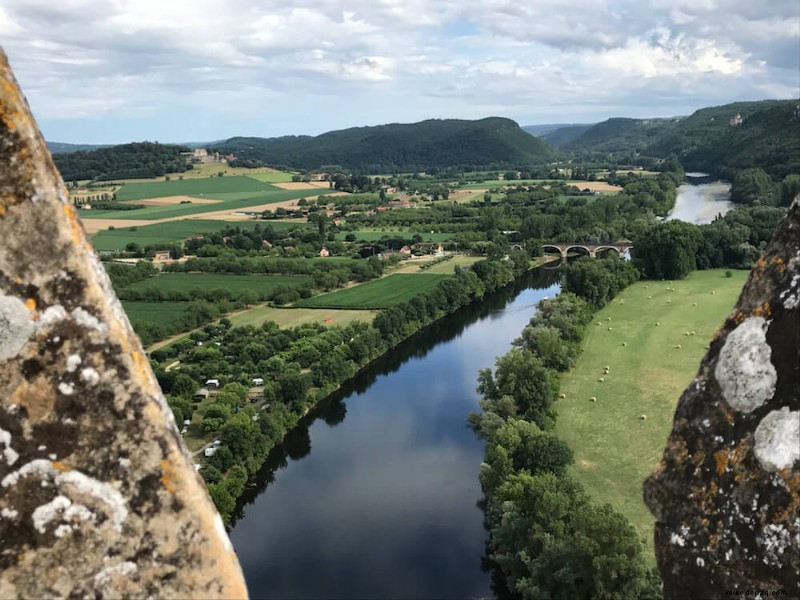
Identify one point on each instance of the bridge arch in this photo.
(603, 251)
(555, 247)
(588, 251)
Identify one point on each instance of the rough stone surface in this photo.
(98, 496)
(726, 495)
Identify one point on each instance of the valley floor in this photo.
(652, 337)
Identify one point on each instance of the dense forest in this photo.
(710, 140)
(489, 142)
(126, 161)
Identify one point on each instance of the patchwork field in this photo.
(168, 282)
(615, 450)
(303, 185)
(160, 313)
(228, 202)
(170, 201)
(379, 293)
(171, 231)
(292, 317)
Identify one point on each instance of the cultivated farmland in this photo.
(380, 293)
(263, 284)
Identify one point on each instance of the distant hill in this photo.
(710, 139)
(60, 147)
(618, 135)
(493, 141)
(563, 136)
(768, 137)
(125, 161)
(544, 130)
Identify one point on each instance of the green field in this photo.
(615, 450)
(231, 201)
(160, 313)
(380, 293)
(449, 266)
(272, 177)
(374, 236)
(174, 231)
(167, 282)
(499, 183)
(207, 187)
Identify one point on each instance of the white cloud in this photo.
(390, 60)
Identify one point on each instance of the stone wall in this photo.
(99, 495)
(727, 493)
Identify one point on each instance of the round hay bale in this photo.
(562, 396)
(643, 417)
(624, 343)
(610, 329)
(649, 297)
(657, 323)
(593, 399)
(694, 303)
(691, 333)
(601, 380)
(678, 347)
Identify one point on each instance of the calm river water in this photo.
(701, 203)
(377, 495)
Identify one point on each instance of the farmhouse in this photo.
(405, 250)
(212, 383)
(324, 252)
(427, 248)
(258, 381)
(202, 394)
(255, 393)
(161, 256)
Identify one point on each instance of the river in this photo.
(700, 203)
(376, 494)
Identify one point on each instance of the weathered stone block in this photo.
(99, 497)
(727, 493)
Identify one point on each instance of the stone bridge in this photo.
(621, 247)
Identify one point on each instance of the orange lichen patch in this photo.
(30, 303)
(721, 458)
(142, 366)
(762, 310)
(75, 228)
(166, 470)
(2, 210)
(60, 467)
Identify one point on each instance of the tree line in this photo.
(546, 536)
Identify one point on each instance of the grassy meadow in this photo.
(379, 293)
(168, 282)
(159, 313)
(371, 235)
(206, 187)
(615, 450)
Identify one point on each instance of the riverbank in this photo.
(615, 449)
(327, 359)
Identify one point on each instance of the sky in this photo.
(112, 71)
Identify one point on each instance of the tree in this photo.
(667, 251)
(754, 186)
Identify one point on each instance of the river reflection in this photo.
(701, 203)
(387, 503)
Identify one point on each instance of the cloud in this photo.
(367, 61)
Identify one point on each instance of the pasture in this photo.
(171, 232)
(168, 282)
(615, 450)
(203, 187)
(159, 313)
(228, 202)
(376, 294)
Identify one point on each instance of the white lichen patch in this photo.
(16, 326)
(677, 540)
(90, 376)
(73, 360)
(62, 509)
(777, 439)
(85, 319)
(9, 454)
(39, 467)
(744, 370)
(791, 295)
(123, 569)
(774, 541)
(8, 513)
(52, 314)
(66, 388)
(102, 491)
